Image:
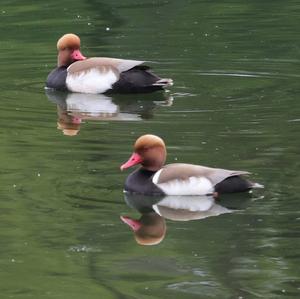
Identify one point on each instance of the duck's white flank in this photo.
(91, 81)
(190, 186)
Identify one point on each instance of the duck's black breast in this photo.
(140, 181)
(57, 78)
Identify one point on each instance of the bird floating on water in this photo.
(76, 73)
(155, 178)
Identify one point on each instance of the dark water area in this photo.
(234, 104)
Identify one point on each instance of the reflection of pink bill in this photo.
(76, 120)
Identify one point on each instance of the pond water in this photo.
(234, 104)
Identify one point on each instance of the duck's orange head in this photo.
(149, 151)
(68, 47)
(68, 40)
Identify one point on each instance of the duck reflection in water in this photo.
(73, 108)
(69, 124)
(150, 228)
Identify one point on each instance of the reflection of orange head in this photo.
(68, 129)
(150, 229)
(67, 123)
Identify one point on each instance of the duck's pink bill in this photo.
(133, 160)
(77, 55)
(134, 224)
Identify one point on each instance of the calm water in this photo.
(235, 104)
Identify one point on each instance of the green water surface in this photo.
(235, 104)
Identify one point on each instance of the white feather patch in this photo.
(190, 186)
(156, 177)
(91, 81)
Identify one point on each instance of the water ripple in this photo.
(246, 74)
(208, 288)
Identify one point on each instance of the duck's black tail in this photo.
(236, 184)
(164, 82)
(140, 79)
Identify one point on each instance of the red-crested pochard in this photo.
(76, 73)
(155, 178)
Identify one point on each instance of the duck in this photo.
(154, 178)
(77, 73)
